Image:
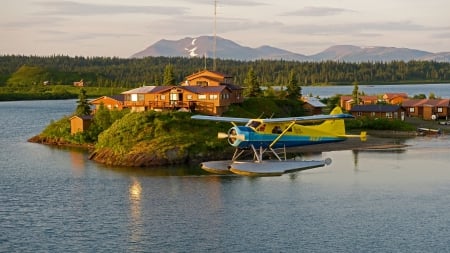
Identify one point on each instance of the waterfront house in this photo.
(347, 101)
(206, 91)
(80, 123)
(115, 102)
(378, 111)
(395, 98)
(427, 109)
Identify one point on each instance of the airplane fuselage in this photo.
(297, 136)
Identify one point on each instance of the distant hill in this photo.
(227, 49)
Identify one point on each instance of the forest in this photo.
(22, 71)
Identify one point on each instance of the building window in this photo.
(411, 109)
(389, 115)
(189, 97)
(173, 96)
(359, 114)
(373, 114)
(202, 83)
(212, 96)
(163, 97)
(201, 96)
(440, 109)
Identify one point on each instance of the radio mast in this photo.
(215, 39)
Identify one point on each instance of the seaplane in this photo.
(267, 139)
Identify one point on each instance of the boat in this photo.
(422, 131)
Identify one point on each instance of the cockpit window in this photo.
(254, 124)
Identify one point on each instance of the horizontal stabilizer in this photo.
(362, 136)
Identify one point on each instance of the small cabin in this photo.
(115, 102)
(80, 123)
(312, 106)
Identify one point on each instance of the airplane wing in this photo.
(223, 119)
(310, 118)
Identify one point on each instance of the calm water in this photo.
(55, 200)
(440, 90)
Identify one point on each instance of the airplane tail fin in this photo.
(336, 126)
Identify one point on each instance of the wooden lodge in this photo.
(427, 109)
(207, 91)
(379, 111)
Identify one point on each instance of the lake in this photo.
(439, 89)
(56, 200)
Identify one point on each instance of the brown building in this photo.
(312, 106)
(206, 91)
(428, 109)
(347, 101)
(80, 123)
(110, 102)
(395, 98)
(378, 111)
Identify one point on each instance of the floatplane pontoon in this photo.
(270, 138)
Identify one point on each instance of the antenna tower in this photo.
(215, 39)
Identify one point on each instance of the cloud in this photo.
(85, 9)
(228, 2)
(366, 28)
(317, 11)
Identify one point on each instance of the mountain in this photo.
(350, 53)
(227, 49)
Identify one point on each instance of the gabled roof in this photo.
(437, 102)
(394, 95)
(118, 98)
(375, 108)
(413, 102)
(205, 89)
(426, 102)
(140, 90)
(83, 117)
(148, 89)
(314, 102)
(205, 73)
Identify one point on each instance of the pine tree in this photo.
(252, 88)
(169, 76)
(294, 89)
(355, 93)
(83, 107)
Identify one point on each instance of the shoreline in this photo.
(381, 140)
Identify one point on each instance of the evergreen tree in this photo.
(83, 107)
(252, 88)
(169, 76)
(294, 89)
(103, 117)
(355, 93)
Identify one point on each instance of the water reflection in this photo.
(78, 162)
(175, 170)
(135, 197)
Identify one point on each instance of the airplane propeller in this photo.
(231, 135)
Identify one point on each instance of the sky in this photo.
(121, 28)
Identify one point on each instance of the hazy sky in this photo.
(122, 28)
